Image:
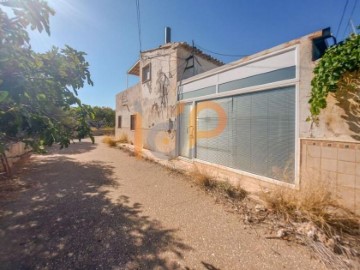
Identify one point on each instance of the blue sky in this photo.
(107, 31)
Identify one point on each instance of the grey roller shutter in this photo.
(259, 136)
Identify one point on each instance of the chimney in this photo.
(167, 34)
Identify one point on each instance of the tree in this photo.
(335, 69)
(37, 90)
(103, 117)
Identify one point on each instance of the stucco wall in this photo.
(156, 99)
(200, 65)
(339, 120)
(14, 152)
(127, 103)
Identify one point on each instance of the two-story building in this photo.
(152, 103)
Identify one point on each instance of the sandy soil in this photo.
(95, 207)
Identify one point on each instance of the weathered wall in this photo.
(14, 153)
(127, 103)
(156, 99)
(305, 69)
(159, 101)
(329, 150)
(200, 65)
(337, 164)
(340, 119)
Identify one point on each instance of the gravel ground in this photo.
(95, 207)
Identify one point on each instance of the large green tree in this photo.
(103, 117)
(37, 90)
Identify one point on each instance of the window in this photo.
(146, 73)
(119, 121)
(259, 133)
(132, 122)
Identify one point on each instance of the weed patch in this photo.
(314, 216)
(123, 138)
(223, 188)
(110, 141)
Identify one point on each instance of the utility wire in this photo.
(352, 12)
(138, 22)
(222, 54)
(342, 17)
(353, 9)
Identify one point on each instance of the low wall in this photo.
(14, 153)
(335, 163)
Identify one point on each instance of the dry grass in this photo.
(222, 187)
(315, 203)
(123, 138)
(201, 179)
(110, 141)
(329, 229)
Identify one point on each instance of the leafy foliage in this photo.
(336, 62)
(103, 117)
(38, 90)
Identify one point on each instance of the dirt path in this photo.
(91, 206)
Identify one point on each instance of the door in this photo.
(186, 131)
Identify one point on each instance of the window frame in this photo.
(119, 121)
(143, 79)
(132, 122)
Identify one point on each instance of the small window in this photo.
(132, 122)
(146, 73)
(119, 121)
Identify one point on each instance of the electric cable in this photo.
(138, 22)
(342, 17)
(222, 54)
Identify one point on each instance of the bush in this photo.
(110, 141)
(313, 203)
(123, 138)
(225, 188)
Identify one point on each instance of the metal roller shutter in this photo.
(259, 133)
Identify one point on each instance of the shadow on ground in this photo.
(73, 149)
(65, 221)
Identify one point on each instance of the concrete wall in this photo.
(127, 103)
(200, 65)
(14, 153)
(330, 150)
(156, 99)
(339, 121)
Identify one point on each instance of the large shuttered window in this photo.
(258, 133)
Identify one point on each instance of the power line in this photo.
(222, 54)
(138, 22)
(342, 17)
(352, 11)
